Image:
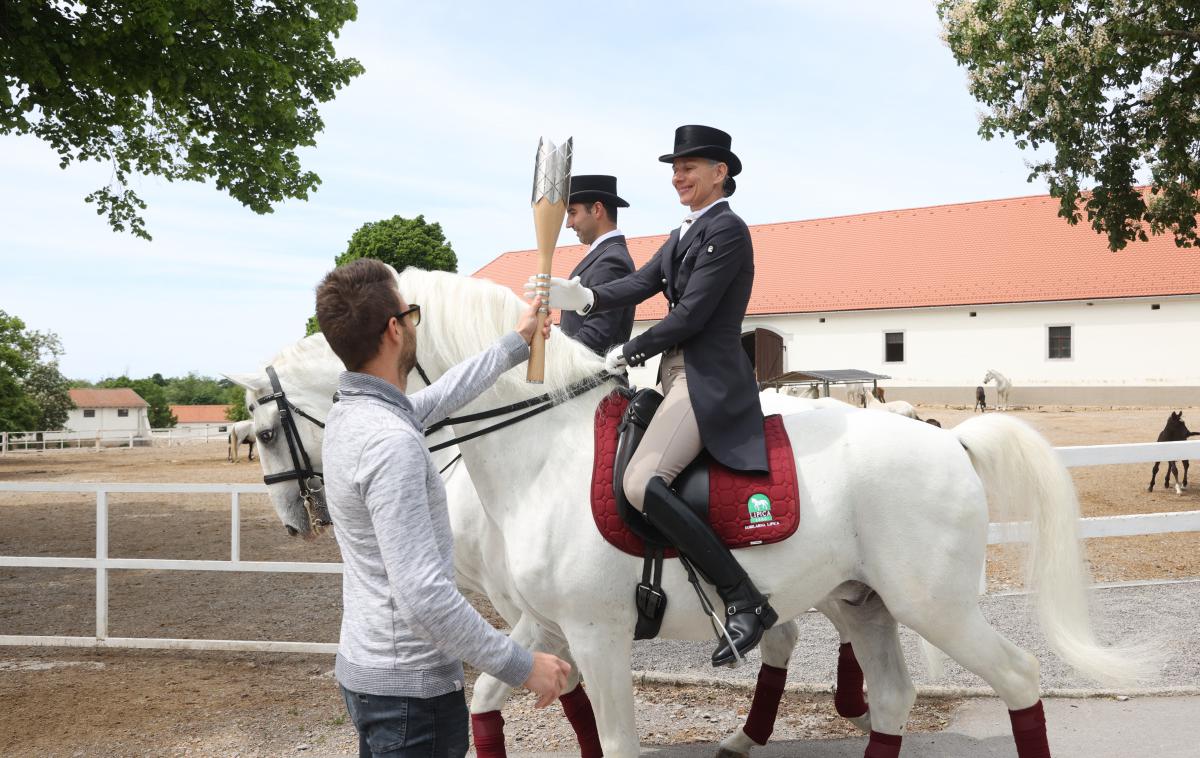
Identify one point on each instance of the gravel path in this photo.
(1165, 612)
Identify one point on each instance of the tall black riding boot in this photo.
(747, 612)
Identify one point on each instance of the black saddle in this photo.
(691, 484)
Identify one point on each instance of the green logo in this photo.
(759, 508)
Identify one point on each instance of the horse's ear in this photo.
(252, 382)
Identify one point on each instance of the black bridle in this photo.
(311, 482)
(540, 404)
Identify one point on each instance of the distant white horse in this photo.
(856, 394)
(309, 368)
(899, 407)
(901, 508)
(1003, 385)
(808, 392)
(240, 432)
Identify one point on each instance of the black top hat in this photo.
(704, 142)
(588, 188)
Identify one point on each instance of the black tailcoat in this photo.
(601, 330)
(707, 277)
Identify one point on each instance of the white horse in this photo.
(899, 407)
(308, 369)
(1003, 385)
(900, 508)
(856, 394)
(240, 432)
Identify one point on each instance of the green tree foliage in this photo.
(183, 89)
(33, 392)
(1112, 86)
(398, 242)
(194, 389)
(235, 396)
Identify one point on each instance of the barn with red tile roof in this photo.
(936, 296)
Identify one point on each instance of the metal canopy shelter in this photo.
(825, 378)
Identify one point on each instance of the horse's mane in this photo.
(462, 316)
(305, 352)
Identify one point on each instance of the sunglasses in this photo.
(413, 314)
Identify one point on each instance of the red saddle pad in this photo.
(744, 509)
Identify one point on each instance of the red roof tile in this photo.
(200, 414)
(122, 397)
(1015, 250)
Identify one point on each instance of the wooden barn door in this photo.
(765, 349)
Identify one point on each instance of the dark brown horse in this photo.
(1174, 431)
(980, 399)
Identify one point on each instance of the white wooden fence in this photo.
(1093, 455)
(95, 439)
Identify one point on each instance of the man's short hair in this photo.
(609, 208)
(354, 303)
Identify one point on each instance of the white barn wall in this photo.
(1123, 352)
(107, 420)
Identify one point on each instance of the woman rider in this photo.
(706, 271)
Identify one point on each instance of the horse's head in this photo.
(989, 376)
(288, 416)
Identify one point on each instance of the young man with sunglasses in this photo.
(406, 629)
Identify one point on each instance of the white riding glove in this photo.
(565, 294)
(614, 362)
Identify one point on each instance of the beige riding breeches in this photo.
(672, 439)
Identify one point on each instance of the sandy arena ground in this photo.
(76, 702)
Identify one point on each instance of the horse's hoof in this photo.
(863, 722)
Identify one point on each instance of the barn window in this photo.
(122, 413)
(893, 347)
(89, 413)
(1059, 346)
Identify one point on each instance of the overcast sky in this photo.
(834, 108)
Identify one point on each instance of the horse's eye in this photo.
(266, 435)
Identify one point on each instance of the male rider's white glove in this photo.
(614, 362)
(565, 294)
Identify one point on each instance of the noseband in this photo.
(310, 481)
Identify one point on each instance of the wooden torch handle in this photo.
(547, 221)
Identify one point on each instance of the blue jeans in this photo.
(409, 727)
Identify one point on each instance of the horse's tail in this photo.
(234, 446)
(1024, 480)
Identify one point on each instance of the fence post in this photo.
(3, 443)
(235, 538)
(102, 564)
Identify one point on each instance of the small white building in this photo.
(934, 297)
(200, 420)
(112, 412)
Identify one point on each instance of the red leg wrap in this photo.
(1029, 731)
(578, 708)
(883, 746)
(765, 706)
(488, 730)
(849, 696)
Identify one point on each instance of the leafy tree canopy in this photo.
(183, 89)
(398, 242)
(159, 413)
(1112, 86)
(33, 392)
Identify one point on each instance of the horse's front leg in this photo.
(1185, 470)
(489, 694)
(1153, 476)
(776, 647)
(604, 657)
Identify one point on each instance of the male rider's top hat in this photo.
(704, 142)
(589, 188)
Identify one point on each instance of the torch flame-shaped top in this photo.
(552, 171)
